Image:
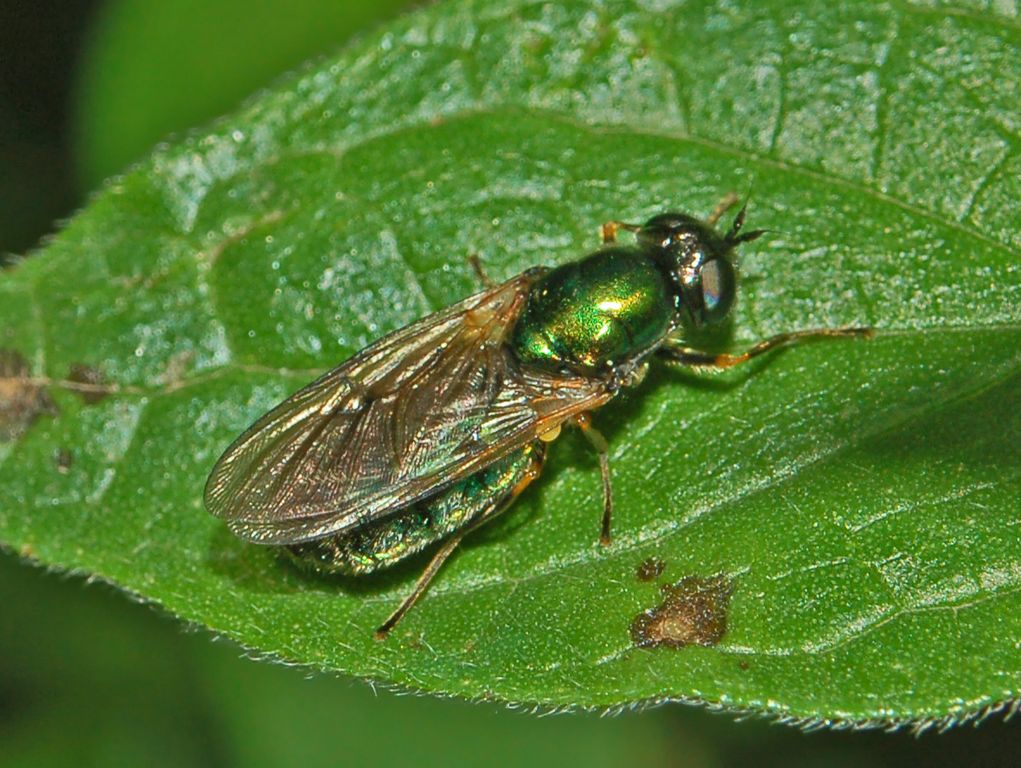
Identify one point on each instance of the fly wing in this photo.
(416, 411)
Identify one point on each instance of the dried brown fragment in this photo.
(22, 399)
(650, 569)
(694, 612)
(63, 459)
(90, 382)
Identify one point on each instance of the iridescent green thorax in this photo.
(592, 314)
(384, 542)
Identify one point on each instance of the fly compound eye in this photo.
(718, 288)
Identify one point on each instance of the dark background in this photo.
(89, 678)
(40, 44)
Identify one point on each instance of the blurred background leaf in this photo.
(154, 68)
(86, 678)
(57, 610)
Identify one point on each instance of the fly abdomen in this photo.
(385, 542)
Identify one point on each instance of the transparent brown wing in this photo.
(416, 411)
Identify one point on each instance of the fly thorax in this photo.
(595, 314)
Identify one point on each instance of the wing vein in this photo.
(404, 418)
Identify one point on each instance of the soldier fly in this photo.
(435, 429)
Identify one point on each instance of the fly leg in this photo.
(676, 353)
(479, 270)
(609, 230)
(597, 441)
(421, 585)
(729, 201)
(450, 545)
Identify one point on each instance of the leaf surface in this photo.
(860, 501)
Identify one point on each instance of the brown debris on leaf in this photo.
(22, 399)
(650, 569)
(63, 459)
(694, 612)
(89, 381)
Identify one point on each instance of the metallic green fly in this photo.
(433, 430)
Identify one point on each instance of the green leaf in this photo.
(857, 501)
